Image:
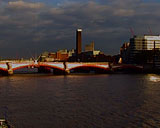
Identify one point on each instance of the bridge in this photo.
(9, 66)
(127, 68)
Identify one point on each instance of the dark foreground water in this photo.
(81, 101)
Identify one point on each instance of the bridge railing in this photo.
(15, 61)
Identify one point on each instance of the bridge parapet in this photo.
(17, 61)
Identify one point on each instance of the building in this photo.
(71, 52)
(145, 42)
(89, 47)
(60, 55)
(78, 42)
(142, 50)
(124, 52)
(94, 56)
(92, 53)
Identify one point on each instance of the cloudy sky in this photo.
(29, 27)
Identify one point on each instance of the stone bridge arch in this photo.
(22, 66)
(88, 67)
(57, 68)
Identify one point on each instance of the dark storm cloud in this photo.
(36, 27)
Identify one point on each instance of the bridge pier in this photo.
(66, 70)
(9, 68)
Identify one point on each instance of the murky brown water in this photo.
(81, 101)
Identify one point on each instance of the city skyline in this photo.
(33, 26)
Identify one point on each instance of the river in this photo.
(81, 101)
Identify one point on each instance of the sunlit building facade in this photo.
(89, 47)
(145, 42)
(60, 55)
(142, 50)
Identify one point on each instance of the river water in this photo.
(81, 101)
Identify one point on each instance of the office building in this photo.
(142, 50)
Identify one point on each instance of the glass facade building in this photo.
(143, 50)
(145, 42)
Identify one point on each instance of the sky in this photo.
(30, 27)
